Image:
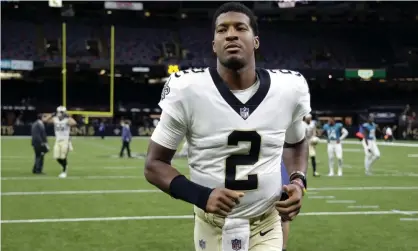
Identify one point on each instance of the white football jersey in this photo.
(310, 130)
(234, 144)
(61, 128)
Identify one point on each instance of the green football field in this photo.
(107, 205)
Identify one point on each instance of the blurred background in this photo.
(107, 61)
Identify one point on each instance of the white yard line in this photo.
(99, 219)
(184, 217)
(70, 177)
(408, 219)
(363, 207)
(403, 212)
(156, 191)
(141, 177)
(361, 188)
(341, 201)
(79, 192)
(121, 167)
(321, 197)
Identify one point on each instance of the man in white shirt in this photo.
(239, 123)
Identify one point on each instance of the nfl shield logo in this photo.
(236, 244)
(244, 112)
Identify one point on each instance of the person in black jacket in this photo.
(39, 144)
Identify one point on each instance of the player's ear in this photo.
(213, 46)
(256, 43)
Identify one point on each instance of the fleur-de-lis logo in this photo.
(166, 90)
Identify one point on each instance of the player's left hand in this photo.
(288, 209)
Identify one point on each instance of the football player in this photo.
(240, 121)
(389, 134)
(62, 124)
(371, 150)
(335, 134)
(312, 141)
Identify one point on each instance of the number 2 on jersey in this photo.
(235, 160)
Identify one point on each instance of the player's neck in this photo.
(238, 80)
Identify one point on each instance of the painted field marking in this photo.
(15, 157)
(413, 155)
(403, 212)
(408, 219)
(311, 193)
(363, 207)
(71, 177)
(352, 150)
(120, 167)
(321, 197)
(79, 192)
(184, 217)
(361, 188)
(157, 191)
(341, 201)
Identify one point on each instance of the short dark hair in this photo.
(236, 7)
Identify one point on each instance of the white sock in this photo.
(340, 165)
(372, 160)
(331, 164)
(366, 163)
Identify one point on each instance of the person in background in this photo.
(102, 130)
(285, 223)
(39, 144)
(126, 138)
(312, 141)
(388, 134)
(371, 150)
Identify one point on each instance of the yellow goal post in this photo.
(84, 113)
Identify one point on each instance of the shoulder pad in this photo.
(285, 72)
(179, 81)
(190, 71)
(298, 82)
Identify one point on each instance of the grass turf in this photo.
(102, 186)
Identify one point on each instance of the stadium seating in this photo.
(286, 46)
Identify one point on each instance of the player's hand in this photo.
(221, 201)
(288, 209)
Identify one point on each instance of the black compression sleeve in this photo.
(184, 189)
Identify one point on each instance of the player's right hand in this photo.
(221, 201)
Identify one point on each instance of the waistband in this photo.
(219, 220)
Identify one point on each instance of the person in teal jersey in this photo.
(335, 133)
(371, 150)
